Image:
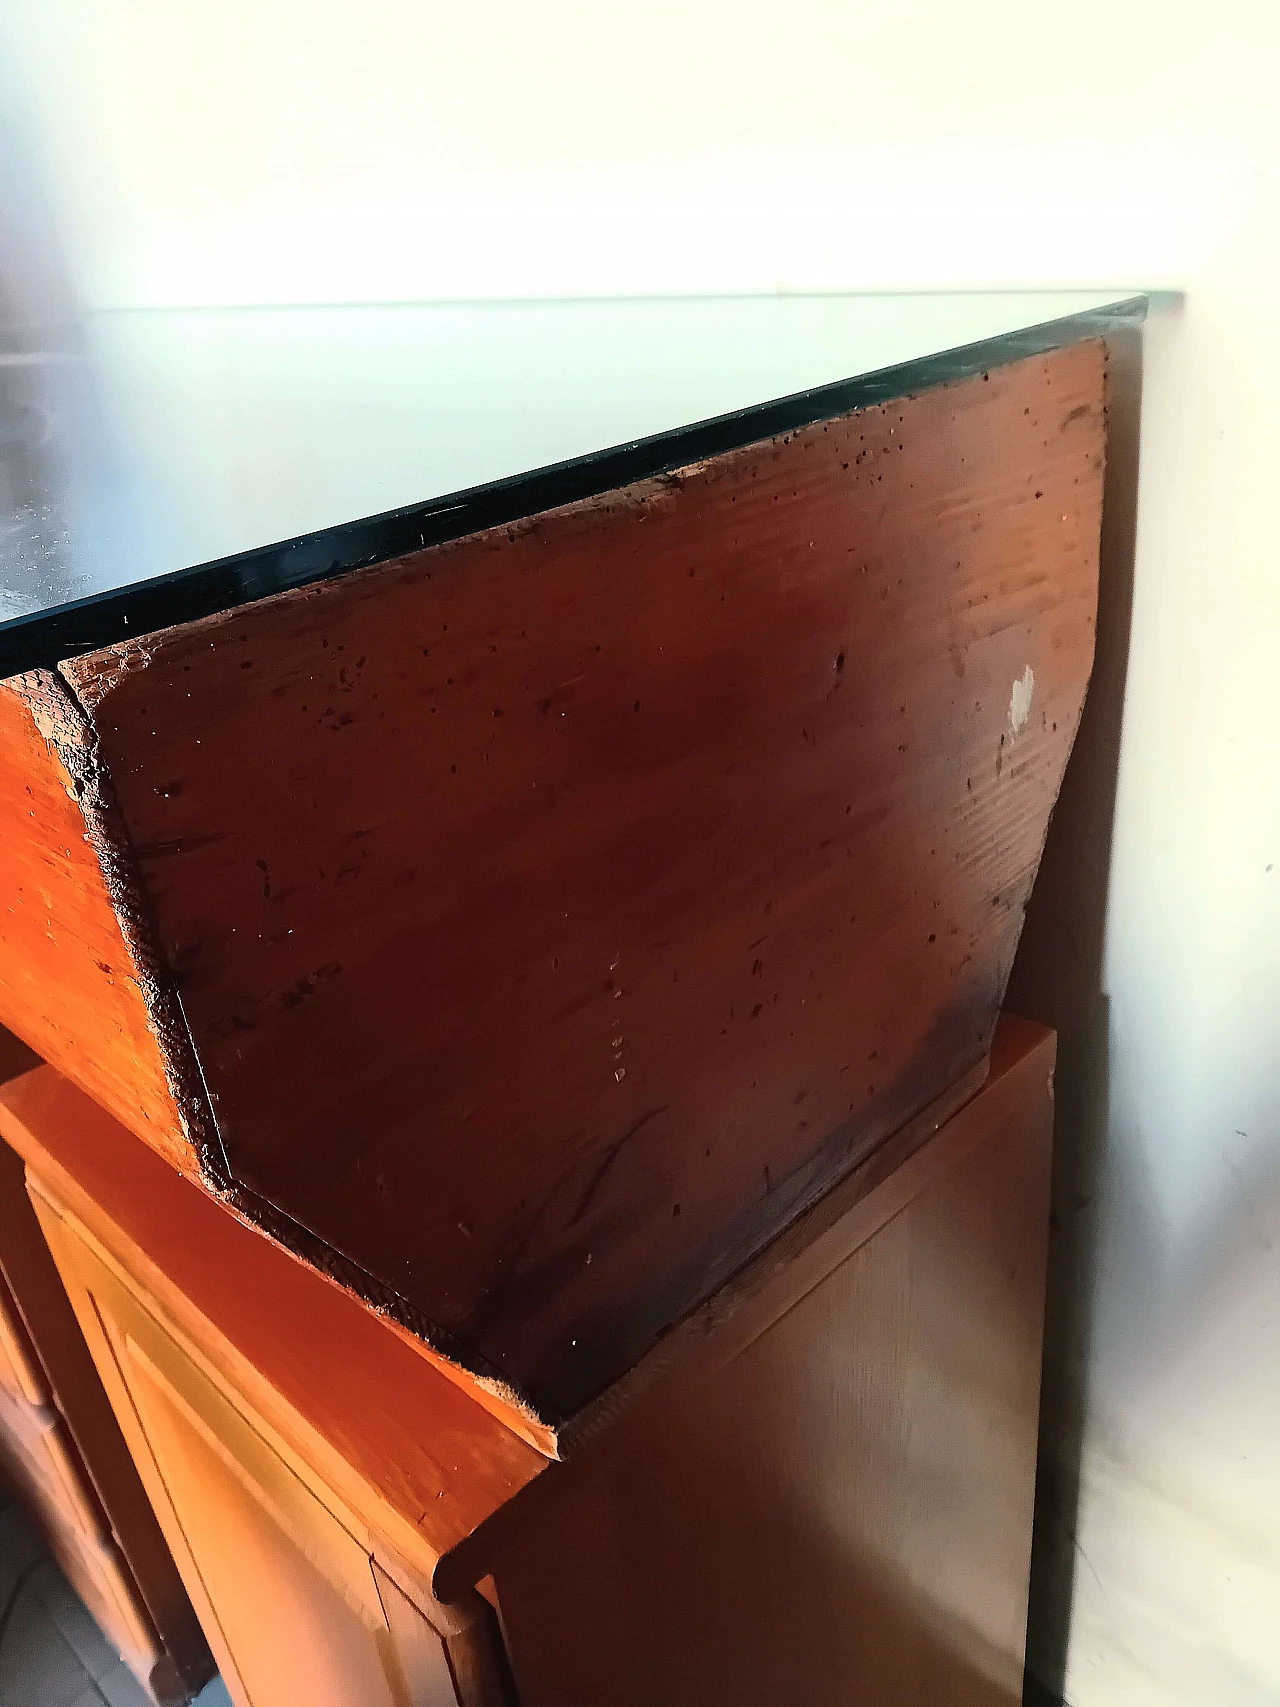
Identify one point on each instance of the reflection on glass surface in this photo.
(144, 443)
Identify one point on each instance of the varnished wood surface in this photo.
(842, 1511)
(557, 912)
(288, 1588)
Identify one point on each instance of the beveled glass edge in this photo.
(39, 639)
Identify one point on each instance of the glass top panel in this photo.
(144, 444)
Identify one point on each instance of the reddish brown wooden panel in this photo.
(70, 983)
(558, 911)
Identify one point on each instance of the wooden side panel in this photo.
(558, 911)
(843, 1512)
(70, 982)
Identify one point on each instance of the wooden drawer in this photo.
(92, 1563)
(39, 1438)
(43, 1465)
(20, 1371)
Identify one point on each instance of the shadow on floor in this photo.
(52, 1654)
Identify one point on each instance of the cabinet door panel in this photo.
(286, 1591)
(293, 1618)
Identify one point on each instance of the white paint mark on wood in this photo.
(1020, 700)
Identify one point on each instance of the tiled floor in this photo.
(52, 1654)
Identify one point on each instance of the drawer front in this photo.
(20, 1370)
(102, 1580)
(39, 1439)
(290, 1599)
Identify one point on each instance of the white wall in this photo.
(292, 150)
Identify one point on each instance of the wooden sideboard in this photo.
(821, 1493)
(527, 1124)
(526, 929)
(62, 1450)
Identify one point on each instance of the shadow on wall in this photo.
(1138, 1314)
(1057, 978)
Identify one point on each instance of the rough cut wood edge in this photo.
(444, 1352)
(73, 846)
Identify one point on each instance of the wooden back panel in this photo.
(556, 912)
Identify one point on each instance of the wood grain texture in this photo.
(289, 1590)
(806, 1250)
(840, 1512)
(76, 981)
(559, 911)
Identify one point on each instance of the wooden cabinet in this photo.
(61, 1448)
(525, 928)
(528, 1129)
(818, 1490)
